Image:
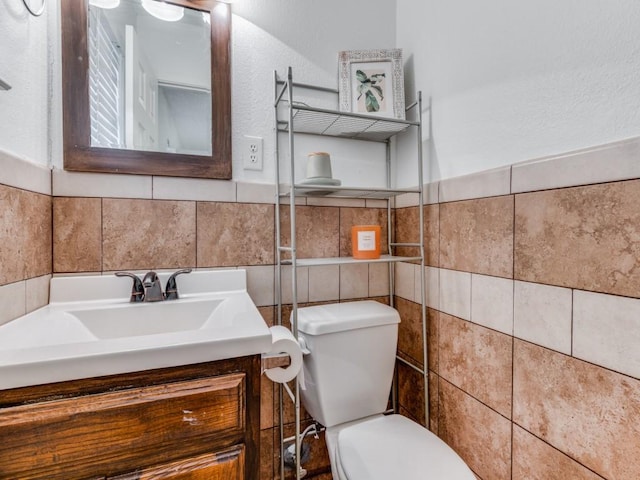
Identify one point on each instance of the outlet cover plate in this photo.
(252, 152)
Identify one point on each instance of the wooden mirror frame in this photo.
(80, 156)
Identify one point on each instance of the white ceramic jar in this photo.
(319, 165)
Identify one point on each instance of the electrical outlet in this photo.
(252, 153)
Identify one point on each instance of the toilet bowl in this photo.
(388, 447)
(348, 375)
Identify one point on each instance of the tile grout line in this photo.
(196, 235)
(573, 291)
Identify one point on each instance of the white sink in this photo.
(90, 329)
(136, 319)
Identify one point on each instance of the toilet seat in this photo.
(395, 447)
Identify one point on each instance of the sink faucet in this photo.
(149, 288)
(152, 288)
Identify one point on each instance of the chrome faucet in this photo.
(149, 288)
(152, 288)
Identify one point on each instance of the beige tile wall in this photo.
(25, 237)
(476, 360)
(532, 287)
(583, 410)
(534, 459)
(96, 223)
(480, 435)
(477, 236)
(25, 226)
(581, 237)
(536, 306)
(77, 238)
(92, 234)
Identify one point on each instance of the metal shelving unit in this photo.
(304, 119)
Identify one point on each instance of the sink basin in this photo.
(138, 319)
(90, 329)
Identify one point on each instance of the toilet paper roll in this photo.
(282, 341)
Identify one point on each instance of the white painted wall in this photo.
(306, 35)
(509, 81)
(513, 81)
(24, 115)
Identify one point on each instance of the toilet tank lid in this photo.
(339, 317)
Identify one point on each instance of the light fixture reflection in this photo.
(163, 11)
(107, 4)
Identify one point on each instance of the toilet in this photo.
(347, 379)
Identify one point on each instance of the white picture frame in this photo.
(371, 82)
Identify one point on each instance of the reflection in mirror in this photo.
(149, 77)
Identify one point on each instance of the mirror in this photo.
(149, 77)
(146, 87)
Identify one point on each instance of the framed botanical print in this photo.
(372, 82)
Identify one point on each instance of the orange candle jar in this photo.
(365, 241)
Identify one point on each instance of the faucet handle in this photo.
(171, 290)
(137, 290)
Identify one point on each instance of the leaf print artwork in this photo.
(370, 90)
(371, 82)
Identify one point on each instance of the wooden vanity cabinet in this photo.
(193, 422)
(219, 466)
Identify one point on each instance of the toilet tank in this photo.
(349, 370)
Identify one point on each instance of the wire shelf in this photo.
(316, 121)
(323, 261)
(344, 192)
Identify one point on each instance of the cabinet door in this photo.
(119, 431)
(227, 465)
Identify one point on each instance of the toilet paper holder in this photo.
(282, 360)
